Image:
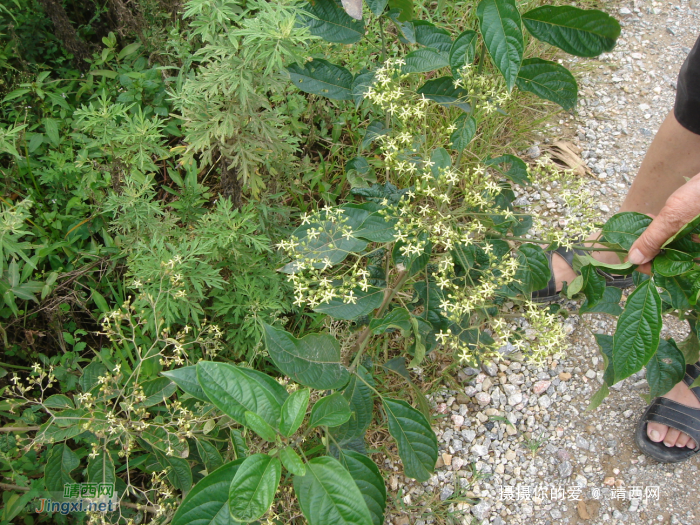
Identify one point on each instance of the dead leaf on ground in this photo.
(567, 155)
(582, 510)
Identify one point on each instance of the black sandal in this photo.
(674, 415)
(549, 293)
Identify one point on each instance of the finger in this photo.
(681, 207)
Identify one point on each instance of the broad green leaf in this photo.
(637, 333)
(665, 369)
(260, 426)
(428, 35)
(514, 169)
(416, 440)
(501, 30)
(266, 382)
(376, 6)
(320, 77)
(548, 80)
(683, 232)
(60, 462)
(424, 60)
(253, 487)
(624, 268)
(690, 348)
(233, 392)
(580, 32)
(359, 173)
(369, 480)
(59, 402)
(292, 462)
(186, 379)
(605, 343)
(91, 374)
(206, 504)
(362, 303)
(100, 469)
(443, 91)
(533, 268)
(593, 285)
(441, 161)
(463, 51)
(397, 318)
(361, 400)
(431, 296)
(293, 411)
(179, 470)
(328, 495)
(332, 23)
(465, 132)
(313, 360)
(210, 455)
(403, 25)
(377, 228)
(360, 84)
(413, 263)
(625, 228)
(375, 130)
(406, 8)
(51, 126)
(330, 411)
(678, 288)
(156, 391)
(671, 263)
(598, 397)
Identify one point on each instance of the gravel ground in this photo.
(586, 462)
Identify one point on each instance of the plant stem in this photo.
(18, 429)
(381, 32)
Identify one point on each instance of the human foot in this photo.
(671, 436)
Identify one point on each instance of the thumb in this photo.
(649, 243)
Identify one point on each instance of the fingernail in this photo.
(654, 435)
(637, 257)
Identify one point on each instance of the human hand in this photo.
(681, 207)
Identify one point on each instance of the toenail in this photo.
(654, 435)
(667, 444)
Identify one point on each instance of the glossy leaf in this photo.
(320, 77)
(580, 32)
(429, 35)
(370, 482)
(186, 378)
(293, 411)
(424, 60)
(683, 232)
(330, 411)
(313, 360)
(679, 290)
(260, 426)
(253, 487)
(361, 400)
(637, 333)
(376, 6)
(593, 285)
(377, 228)
(665, 369)
(533, 268)
(332, 23)
(443, 91)
(605, 343)
(465, 132)
(233, 392)
(211, 457)
(328, 495)
(362, 304)
(179, 470)
(292, 462)
(513, 168)
(415, 438)
(397, 318)
(499, 21)
(206, 503)
(671, 263)
(463, 51)
(60, 462)
(548, 80)
(624, 228)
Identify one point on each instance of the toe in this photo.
(671, 436)
(656, 431)
(690, 444)
(682, 440)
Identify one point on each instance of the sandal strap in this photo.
(692, 372)
(675, 415)
(551, 288)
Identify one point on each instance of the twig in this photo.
(18, 429)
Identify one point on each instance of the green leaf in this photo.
(377, 228)
(415, 438)
(313, 360)
(292, 462)
(690, 348)
(624, 268)
(360, 398)
(233, 392)
(397, 318)
(260, 426)
(364, 303)
(266, 382)
(424, 60)
(100, 469)
(637, 333)
(580, 32)
(253, 487)
(406, 8)
(678, 288)
(51, 126)
(463, 51)
(156, 391)
(186, 379)
(332, 23)
(376, 6)
(369, 480)
(501, 30)
(514, 169)
(413, 263)
(129, 50)
(359, 173)
(625, 228)
(465, 132)
(179, 470)
(360, 84)
(320, 77)
(598, 397)
(206, 504)
(605, 343)
(60, 462)
(683, 232)
(328, 495)
(441, 160)
(211, 457)
(293, 411)
(533, 268)
(443, 91)
(91, 373)
(428, 35)
(548, 80)
(671, 263)
(330, 411)
(665, 369)
(402, 23)
(593, 285)
(59, 402)
(375, 130)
